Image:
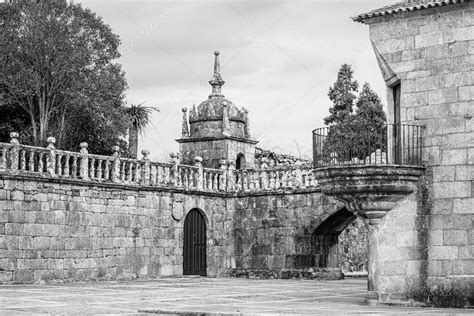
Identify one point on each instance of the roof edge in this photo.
(404, 7)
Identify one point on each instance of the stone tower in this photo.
(216, 129)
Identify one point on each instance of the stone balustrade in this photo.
(275, 178)
(16, 158)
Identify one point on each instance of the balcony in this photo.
(369, 168)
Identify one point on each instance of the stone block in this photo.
(432, 155)
(454, 157)
(430, 111)
(466, 93)
(436, 237)
(466, 252)
(428, 39)
(428, 83)
(443, 173)
(458, 34)
(470, 49)
(442, 252)
(456, 79)
(463, 206)
(23, 276)
(464, 173)
(455, 237)
(470, 156)
(442, 206)
(457, 189)
(443, 96)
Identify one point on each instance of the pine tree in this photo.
(370, 120)
(342, 95)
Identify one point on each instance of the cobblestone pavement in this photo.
(200, 295)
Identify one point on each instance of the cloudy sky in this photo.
(278, 59)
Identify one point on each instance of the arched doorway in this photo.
(324, 241)
(240, 162)
(194, 246)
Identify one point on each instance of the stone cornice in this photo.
(206, 139)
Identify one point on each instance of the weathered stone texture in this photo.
(436, 70)
(72, 231)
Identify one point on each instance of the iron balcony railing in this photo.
(359, 144)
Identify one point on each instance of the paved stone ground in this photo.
(199, 295)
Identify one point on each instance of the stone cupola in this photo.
(216, 129)
(218, 116)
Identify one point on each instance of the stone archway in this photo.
(324, 240)
(240, 162)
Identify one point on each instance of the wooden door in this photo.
(194, 248)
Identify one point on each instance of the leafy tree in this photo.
(57, 66)
(140, 117)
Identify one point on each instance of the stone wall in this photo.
(272, 234)
(65, 230)
(59, 229)
(432, 53)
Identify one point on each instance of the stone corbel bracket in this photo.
(369, 191)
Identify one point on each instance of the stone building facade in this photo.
(425, 50)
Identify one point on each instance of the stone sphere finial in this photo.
(14, 138)
(145, 154)
(51, 141)
(115, 148)
(216, 53)
(185, 109)
(198, 159)
(83, 145)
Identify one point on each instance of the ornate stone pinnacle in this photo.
(216, 81)
(185, 125)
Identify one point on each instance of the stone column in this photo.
(84, 166)
(14, 151)
(51, 157)
(145, 177)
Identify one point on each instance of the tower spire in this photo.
(216, 81)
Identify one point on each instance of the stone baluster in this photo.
(99, 168)
(74, 167)
(175, 174)
(14, 151)
(263, 174)
(223, 176)
(116, 164)
(145, 176)
(298, 177)
(40, 162)
(66, 165)
(51, 156)
(231, 179)
(3, 159)
(92, 168)
(200, 173)
(84, 166)
(130, 172)
(245, 182)
(107, 170)
(23, 160)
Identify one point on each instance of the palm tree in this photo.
(140, 118)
